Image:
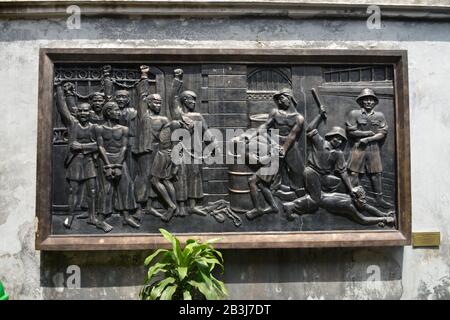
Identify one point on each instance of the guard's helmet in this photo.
(366, 93)
(336, 131)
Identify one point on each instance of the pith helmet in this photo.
(336, 131)
(285, 92)
(366, 93)
(187, 93)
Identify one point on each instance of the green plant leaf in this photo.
(168, 292)
(182, 272)
(176, 248)
(153, 255)
(159, 288)
(203, 288)
(167, 235)
(187, 295)
(155, 269)
(220, 285)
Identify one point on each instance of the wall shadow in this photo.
(125, 268)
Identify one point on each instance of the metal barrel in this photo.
(240, 200)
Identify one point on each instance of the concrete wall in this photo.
(268, 274)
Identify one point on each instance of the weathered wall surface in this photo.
(266, 274)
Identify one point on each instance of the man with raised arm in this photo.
(289, 123)
(146, 146)
(80, 163)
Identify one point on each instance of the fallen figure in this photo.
(341, 204)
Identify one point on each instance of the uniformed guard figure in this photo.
(325, 173)
(367, 130)
(326, 168)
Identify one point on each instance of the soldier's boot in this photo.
(377, 186)
(381, 202)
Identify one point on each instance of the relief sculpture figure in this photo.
(136, 144)
(164, 171)
(149, 125)
(128, 119)
(118, 191)
(289, 123)
(97, 100)
(260, 151)
(183, 108)
(325, 173)
(367, 130)
(79, 162)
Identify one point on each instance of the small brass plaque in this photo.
(426, 239)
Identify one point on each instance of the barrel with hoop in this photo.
(238, 188)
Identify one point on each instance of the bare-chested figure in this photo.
(190, 184)
(289, 123)
(79, 163)
(118, 190)
(164, 170)
(150, 123)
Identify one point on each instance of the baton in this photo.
(317, 99)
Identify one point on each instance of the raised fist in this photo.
(144, 71)
(69, 88)
(178, 74)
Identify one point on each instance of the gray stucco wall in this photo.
(266, 274)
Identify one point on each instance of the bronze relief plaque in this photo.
(263, 148)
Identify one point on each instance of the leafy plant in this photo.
(183, 273)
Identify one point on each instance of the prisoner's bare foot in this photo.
(83, 215)
(138, 214)
(182, 212)
(131, 222)
(104, 226)
(92, 221)
(153, 212)
(271, 210)
(254, 213)
(168, 215)
(68, 222)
